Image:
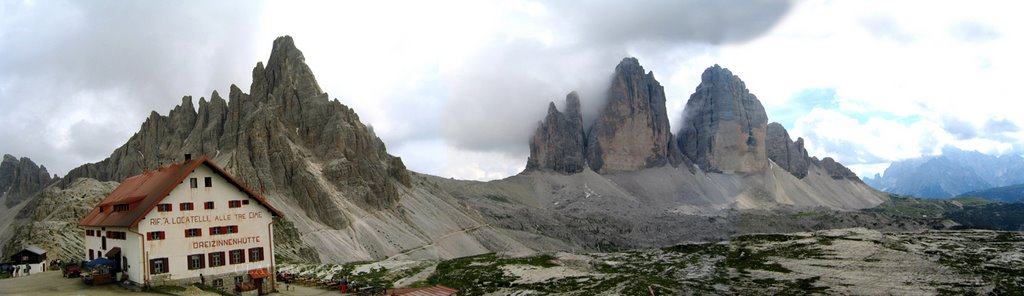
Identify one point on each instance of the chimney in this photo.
(188, 156)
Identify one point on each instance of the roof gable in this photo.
(143, 192)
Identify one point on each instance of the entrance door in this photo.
(259, 285)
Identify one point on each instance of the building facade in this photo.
(185, 223)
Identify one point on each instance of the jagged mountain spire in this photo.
(285, 137)
(558, 143)
(724, 125)
(632, 131)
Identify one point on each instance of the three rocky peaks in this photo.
(724, 129)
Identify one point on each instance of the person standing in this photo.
(202, 279)
(17, 270)
(28, 269)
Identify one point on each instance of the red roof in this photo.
(426, 291)
(259, 273)
(143, 192)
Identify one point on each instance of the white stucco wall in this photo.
(253, 221)
(129, 248)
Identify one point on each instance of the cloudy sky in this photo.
(456, 87)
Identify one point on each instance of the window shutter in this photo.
(152, 267)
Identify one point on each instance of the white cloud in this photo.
(454, 87)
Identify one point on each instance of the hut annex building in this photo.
(181, 221)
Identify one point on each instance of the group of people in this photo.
(344, 284)
(21, 270)
(347, 286)
(56, 263)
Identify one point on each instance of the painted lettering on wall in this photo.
(204, 218)
(226, 242)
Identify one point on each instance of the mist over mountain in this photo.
(952, 173)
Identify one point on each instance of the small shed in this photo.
(30, 255)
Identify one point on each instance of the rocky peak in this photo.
(791, 156)
(286, 138)
(724, 125)
(835, 169)
(286, 68)
(558, 143)
(21, 179)
(632, 131)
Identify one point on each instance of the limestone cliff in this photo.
(791, 156)
(632, 131)
(558, 143)
(21, 179)
(724, 125)
(282, 137)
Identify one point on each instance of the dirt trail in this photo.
(439, 239)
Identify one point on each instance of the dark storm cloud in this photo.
(78, 77)
(498, 98)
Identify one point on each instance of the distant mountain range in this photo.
(1012, 193)
(953, 173)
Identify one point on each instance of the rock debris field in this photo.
(854, 261)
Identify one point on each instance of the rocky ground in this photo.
(852, 261)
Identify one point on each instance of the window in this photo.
(117, 235)
(101, 209)
(103, 243)
(245, 201)
(186, 206)
(208, 205)
(256, 254)
(224, 229)
(92, 255)
(208, 181)
(155, 235)
(193, 182)
(238, 280)
(218, 283)
(88, 232)
(196, 261)
(193, 232)
(237, 256)
(158, 266)
(121, 208)
(163, 207)
(234, 204)
(216, 259)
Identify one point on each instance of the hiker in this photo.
(28, 269)
(17, 270)
(344, 285)
(202, 279)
